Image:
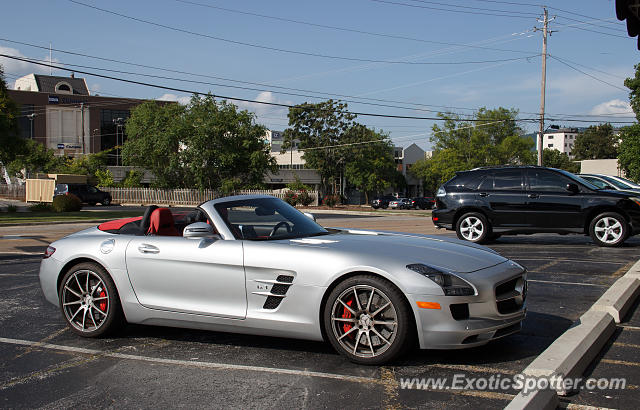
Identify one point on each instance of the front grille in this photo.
(278, 290)
(510, 295)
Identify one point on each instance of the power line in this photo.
(282, 50)
(328, 94)
(499, 13)
(587, 74)
(346, 29)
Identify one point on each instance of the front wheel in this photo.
(473, 227)
(609, 229)
(367, 320)
(89, 301)
(106, 201)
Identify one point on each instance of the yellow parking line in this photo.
(626, 345)
(471, 368)
(629, 327)
(620, 362)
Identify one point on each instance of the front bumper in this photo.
(468, 321)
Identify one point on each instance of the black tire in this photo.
(375, 206)
(385, 206)
(388, 341)
(106, 201)
(473, 227)
(609, 229)
(106, 316)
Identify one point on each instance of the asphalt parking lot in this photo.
(44, 365)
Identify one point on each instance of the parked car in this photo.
(254, 264)
(87, 193)
(610, 182)
(400, 203)
(484, 203)
(422, 202)
(382, 202)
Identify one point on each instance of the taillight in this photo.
(48, 252)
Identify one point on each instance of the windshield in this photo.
(266, 219)
(616, 183)
(578, 179)
(631, 183)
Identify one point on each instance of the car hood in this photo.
(441, 253)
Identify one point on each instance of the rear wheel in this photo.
(89, 301)
(609, 229)
(367, 320)
(106, 201)
(473, 227)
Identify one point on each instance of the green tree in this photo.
(105, 178)
(491, 137)
(633, 84)
(556, 159)
(132, 179)
(225, 147)
(370, 166)
(11, 144)
(629, 157)
(596, 142)
(155, 135)
(33, 158)
(319, 128)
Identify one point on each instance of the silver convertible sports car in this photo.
(254, 264)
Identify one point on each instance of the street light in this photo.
(31, 118)
(119, 122)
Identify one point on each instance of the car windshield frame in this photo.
(304, 227)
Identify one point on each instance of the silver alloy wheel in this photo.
(80, 294)
(364, 321)
(608, 230)
(471, 228)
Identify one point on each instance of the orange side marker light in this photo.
(428, 305)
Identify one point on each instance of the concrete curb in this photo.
(571, 353)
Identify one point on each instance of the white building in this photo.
(290, 164)
(561, 139)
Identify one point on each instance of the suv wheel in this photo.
(609, 229)
(473, 227)
(106, 201)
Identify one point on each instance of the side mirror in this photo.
(310, 216)
(198, 230)
(573, 188)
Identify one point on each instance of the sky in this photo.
(407, 58)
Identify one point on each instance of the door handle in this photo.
(146, 248)
(483, 194)
(533, 196)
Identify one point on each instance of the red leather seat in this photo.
(162, 223)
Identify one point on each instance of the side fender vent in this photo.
(278, 291)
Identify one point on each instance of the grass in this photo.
(80, 216)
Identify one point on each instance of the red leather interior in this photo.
(162, 223)
(117, 224)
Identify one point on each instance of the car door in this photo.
(503, 190)
(201, 276)
(550, 205)
(93, 195)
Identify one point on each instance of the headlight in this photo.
(450, 284)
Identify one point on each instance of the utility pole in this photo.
(545, 32)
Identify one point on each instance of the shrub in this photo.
(12, 209)
(291, 198)
(67, 203)
(41, 207)
(105, 178)
(331, 200)
(304, 198)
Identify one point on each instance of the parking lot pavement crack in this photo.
(388, 380)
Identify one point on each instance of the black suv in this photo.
(86, 193)
(382, 202)
(485, 203)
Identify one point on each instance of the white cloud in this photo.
(266, 110)
(20, 68)
(617, 107)
(172, 97)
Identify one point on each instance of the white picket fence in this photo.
(182, 197)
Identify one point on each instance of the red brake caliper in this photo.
(103, 303)
(347, 315)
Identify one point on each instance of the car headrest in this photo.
(146, 219)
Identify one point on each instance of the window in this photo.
(542, 180)
(550, 137)
(507, 179)
(64, 88)
(550, 145)
(468, 180)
